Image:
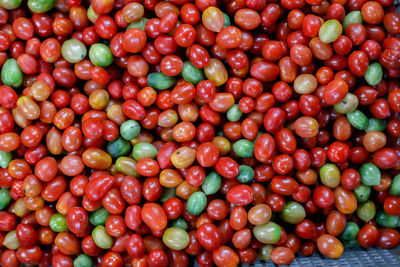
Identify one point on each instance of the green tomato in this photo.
(395, 186)
(129, 129)
(11, 74)
(167, 194)
(83, 261)
(92, 16)
(386, 220)
(73, 50)
(10, 4)
(219, 133)
(144, 150)
(99, 216)
(243, 148)
(100, 55)
(366, 211)
(196, 203)
(212, 183)
(160, 81)
(375, 124)
(101, 238)
(180, 223)
(370, 174)
(40, 6)
(348, 104)
(233, 114)
(11, 241)
(5, 198)
(227, 20)
(5, 159)
(330, 31)
(264, 253)
(176, 238)
(118, 147)
(350, 232)
(350, 243)
(374, 74)
(127, 166)
(268, 233)
(330, 175)
(352, 17)
(58, 223)
(293, 212)
(140, 24)
(246, 174)
(362, 193)
(192, 74)
(357, 119)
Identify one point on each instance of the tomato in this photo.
(388, 238)
(227, 167)
(391, 206)
(98, 186)
(330, 246)
(240, 195)
(113, 201)
(154, 216)
(30, 255)
(67, 243)
(368, 236)
(284, 185)
(78, 221)
(282, 255)
(323, 197)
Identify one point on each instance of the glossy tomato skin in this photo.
(388, 238)
(227, 167)
(240, 195)
(391, 205)
(208, 236)
(98, 186)
(368, 236)
(264, 147)
(154, 216)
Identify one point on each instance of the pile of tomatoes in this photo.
(155, 133)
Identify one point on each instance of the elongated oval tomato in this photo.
(154, 216)
(264, 147)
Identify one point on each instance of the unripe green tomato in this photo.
(243, 148)
(40, 6)
(352, 17)
(348, 104)
(268, 233)
(330, 31)
(73, 51)
(293, 212)
(10, 4)
(83, 261)
(212, 183)
(144, 150)
(58, 223)
(101, 238)
(176, 238)
(11, 74)
(129, 129)
(100, 55)
(373, 75)
(330, 175)
(366, 211)
(196, 203)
